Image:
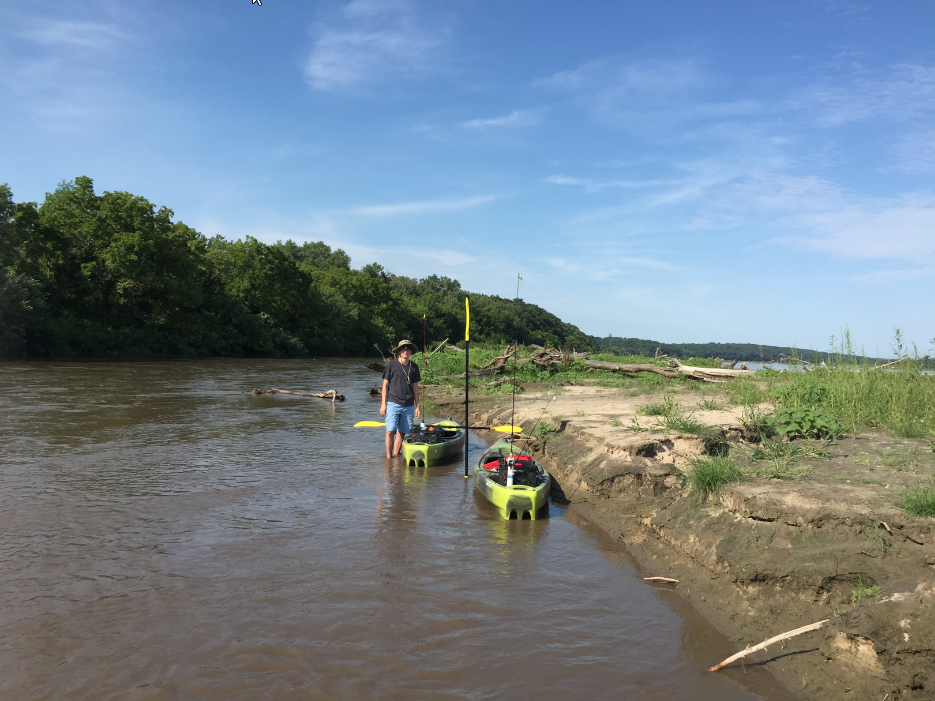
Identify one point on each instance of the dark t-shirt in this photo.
(401, 378)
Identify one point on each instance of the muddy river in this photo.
(164, 534)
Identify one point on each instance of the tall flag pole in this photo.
(424, 369)
(519, 279)
(467, 379)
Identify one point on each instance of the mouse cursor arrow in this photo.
(258, 2)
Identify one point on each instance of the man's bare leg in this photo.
(399, 443)
(389, 442)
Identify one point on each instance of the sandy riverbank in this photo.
(766, 555)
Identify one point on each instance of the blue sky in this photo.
(719, 171)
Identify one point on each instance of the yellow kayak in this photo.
(430, 443)
(529, 492)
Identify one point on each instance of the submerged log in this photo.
(379, 367)
(330, 394)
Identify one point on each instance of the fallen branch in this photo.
(330, 394)
(661, 579)
(436, 350)
(454, 348)
(767, 643)
(501, 381)
(886, 365)
(379, 367)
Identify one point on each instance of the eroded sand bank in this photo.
(763, 556)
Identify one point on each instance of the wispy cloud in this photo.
(915, 151)
(904, 93)
(374, 39)
(516, 118)
(85, 34)
(422, 207)
(889, 277)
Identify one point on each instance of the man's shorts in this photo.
(399, 417)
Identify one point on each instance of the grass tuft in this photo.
(709, 473)
(918, 500)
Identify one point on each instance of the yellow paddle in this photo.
(500, 429)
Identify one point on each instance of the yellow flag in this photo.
(467, 320)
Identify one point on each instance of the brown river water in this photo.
(164, 534)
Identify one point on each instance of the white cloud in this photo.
(85, 34)
(375, 40)
(517, 118)
(422, 207)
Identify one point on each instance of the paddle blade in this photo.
(507, 429)
(368, 424)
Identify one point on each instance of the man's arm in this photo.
(415, 393)
(386, 384)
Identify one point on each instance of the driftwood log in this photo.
(767, 643)
(666, 580)
(710, 374)
(631, 368)
(330, 394)
(454, 348)
(501, 359)
(379, 367)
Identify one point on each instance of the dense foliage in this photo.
(91, 275)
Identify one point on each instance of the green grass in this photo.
(743, 391)
(918, 500)
(900, 401)
(709, 473)
(711, 405)
(686, 423)
(864, 592)
(664, 408)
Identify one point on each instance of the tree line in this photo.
(91, 275)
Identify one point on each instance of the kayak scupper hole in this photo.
(527, 516)
(513, 515)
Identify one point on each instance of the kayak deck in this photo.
(519, 501)
(425, 447)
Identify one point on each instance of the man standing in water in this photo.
(400, 396)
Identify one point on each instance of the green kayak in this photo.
(530, 489)
(430, 443)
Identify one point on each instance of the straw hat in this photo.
(413, 348)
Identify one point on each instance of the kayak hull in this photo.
(518, 501)
(416, 454)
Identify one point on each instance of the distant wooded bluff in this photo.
(728, 351)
